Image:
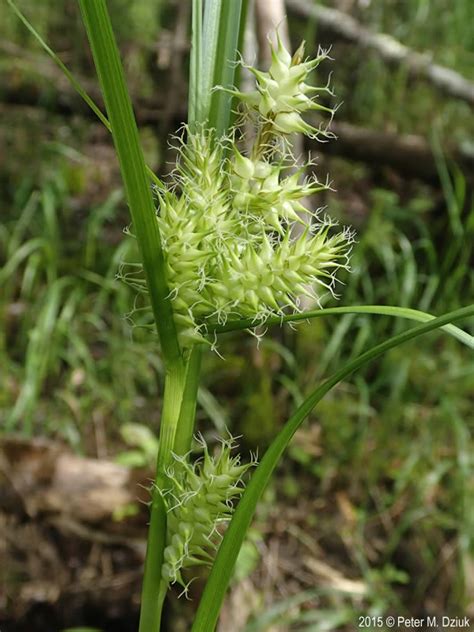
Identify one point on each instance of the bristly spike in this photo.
(201, 496)
(226, 215)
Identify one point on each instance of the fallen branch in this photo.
(408, 154)
(419, 65)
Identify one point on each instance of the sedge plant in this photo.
(218, 254)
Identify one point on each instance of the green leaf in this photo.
(214, 46)
(222, 22)
(212, 598)
(383, 310)
(141, 437)
(139, 197)
(132, 459)
(210, 38)
(37, 357)
(133, 169)
(74, 82)
(187, 413)
(195, 65)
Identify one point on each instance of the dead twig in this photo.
(419, 65)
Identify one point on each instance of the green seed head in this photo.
(282, 94)
(199, 499)
(226, 217)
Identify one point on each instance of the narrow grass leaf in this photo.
(382, 310)
(210, 38)
(195, 65)
(213, 596)
(225, 64)
(74, 82)
(187, 413)
(37, 359)
(22, 254)
(132, 165)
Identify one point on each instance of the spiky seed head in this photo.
(199, 499)
(225, 218)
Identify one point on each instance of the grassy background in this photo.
(377, 489)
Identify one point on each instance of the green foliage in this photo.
(77, 353)
(80, 361)
(387, 437)
(211, 601)
(133, 170)
(138, 21)
(144, 444)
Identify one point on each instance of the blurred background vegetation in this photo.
(372, 511)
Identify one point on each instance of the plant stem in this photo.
(187, 413)
(195, 65)
(132, 165)
(151, 605)
(176, 430)
(175, 381)
(153, 589)
(224, 64)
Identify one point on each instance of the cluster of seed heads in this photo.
(199, 499)
(226, 217)
(230, 252)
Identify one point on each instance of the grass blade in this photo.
(132, 165)
(220, 58)
(195, 66)
(213, 596)
(211, 27)
(382, 310)
(213, 56)
(73, 81)
(37, 359)
(187, 412)
(139, 197)
(20, 255)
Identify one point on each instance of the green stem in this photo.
(151, 606)
(195, 65)
(224, 64)
(177, 426)
(187, 413)
(162, 596)
(175, 382)
(152, 589)
(139, 197)
(132, 165)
